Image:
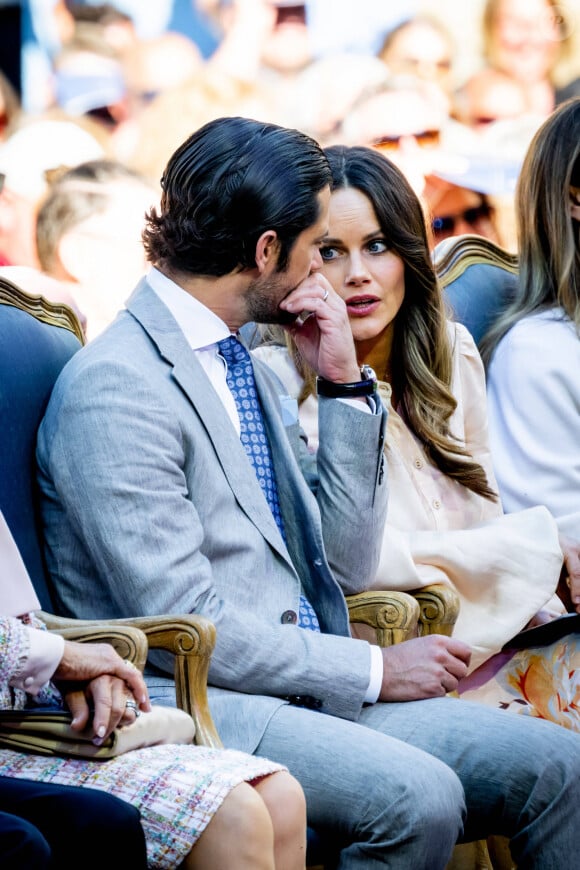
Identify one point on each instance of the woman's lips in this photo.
(362, 306)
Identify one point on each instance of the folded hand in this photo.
(424, 667)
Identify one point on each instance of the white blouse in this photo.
(534, 413)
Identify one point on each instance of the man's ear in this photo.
(267, 248)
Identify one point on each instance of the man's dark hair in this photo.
(230, 181)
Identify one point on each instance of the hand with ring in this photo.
(107, 695)
(130, 704)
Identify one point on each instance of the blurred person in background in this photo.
(10, 106)
(422, 46)
(45, 26)
(88, 236)
(330, 86)
(107, 72)
(398, 118)
(153, 67)
(463, 188)
(118, 27)
(528, 40)
(283, 46)
(173, 114)
(89, 78)
(456, 210)
(36, 147)
(487, 96)
(266, 44)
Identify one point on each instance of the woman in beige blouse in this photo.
(445, 522)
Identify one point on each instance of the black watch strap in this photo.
(367, 386)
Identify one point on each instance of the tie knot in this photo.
(233, 351)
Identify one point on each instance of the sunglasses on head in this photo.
(447, 223)
(425, 139)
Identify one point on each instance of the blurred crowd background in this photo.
(450, 90)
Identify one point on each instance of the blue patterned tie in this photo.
(240, 379)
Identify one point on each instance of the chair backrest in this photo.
(37, 338)
(478, 279)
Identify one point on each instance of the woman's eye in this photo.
(377, 246)
(328, 253)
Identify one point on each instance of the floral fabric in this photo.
(543, 682)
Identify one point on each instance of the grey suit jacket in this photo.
(151, 506)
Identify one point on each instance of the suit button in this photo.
(289, 617)
(317, 563)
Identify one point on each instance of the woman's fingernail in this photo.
(101, 731)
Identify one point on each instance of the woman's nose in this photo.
(357, 270)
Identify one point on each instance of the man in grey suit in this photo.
(158, 496)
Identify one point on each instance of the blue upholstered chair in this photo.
(478, 279)
(37, 338)
(32, 354)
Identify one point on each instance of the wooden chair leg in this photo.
(470, 856)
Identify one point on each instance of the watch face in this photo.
(368, 373)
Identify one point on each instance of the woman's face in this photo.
(358, 263)
(527, 39)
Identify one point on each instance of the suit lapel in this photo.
(163, 330)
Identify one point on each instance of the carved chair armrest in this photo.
(190, 638)
(130, 642)
(439, 606)
(397, 616)
(393, 615)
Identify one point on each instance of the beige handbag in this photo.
(47, 731)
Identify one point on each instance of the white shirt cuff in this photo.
(46, 651)
(376, 678)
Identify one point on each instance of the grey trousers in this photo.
(407, 781)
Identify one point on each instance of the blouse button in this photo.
(289, 617)
(418, 463)
(436, 504)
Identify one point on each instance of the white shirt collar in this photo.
(201, 327)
